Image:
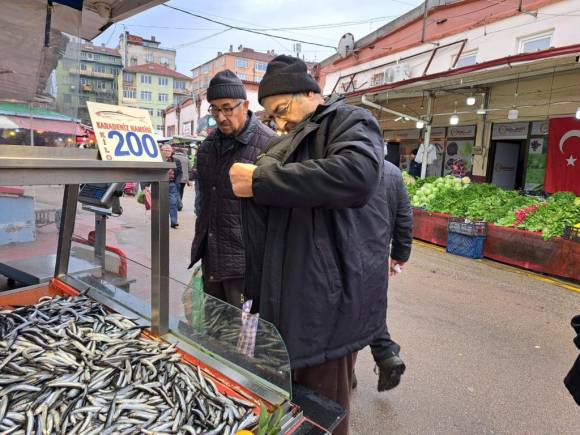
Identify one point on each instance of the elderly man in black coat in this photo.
(316, 230)
(240, 137)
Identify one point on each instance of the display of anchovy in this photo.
(67, 366)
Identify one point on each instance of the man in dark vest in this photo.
(239, 137)
(316, 229)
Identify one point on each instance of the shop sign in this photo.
(438, 133)
(540, 128)
(512, 130)
(123, 133)
(186, 128)
(402, 135)
(462, 131)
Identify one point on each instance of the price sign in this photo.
(124, 133)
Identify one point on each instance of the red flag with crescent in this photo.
(563, 164)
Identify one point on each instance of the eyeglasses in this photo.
(283, 111)
(227, 111)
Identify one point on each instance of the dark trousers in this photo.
(383, 347)
(181, 190)
(229, 290)
(332, 379)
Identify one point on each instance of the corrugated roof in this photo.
(19, 109)
(100, 50)
(155, 68)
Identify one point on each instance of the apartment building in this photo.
(136, 50)
(153, 87)
(95, 81)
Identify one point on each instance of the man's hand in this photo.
(241, 178)
(393, 269)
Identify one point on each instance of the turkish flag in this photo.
(563, 164)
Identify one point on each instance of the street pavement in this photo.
(486, 346)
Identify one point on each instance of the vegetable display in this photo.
(481, 201)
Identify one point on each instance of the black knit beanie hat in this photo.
(286, 75)
(226, 84)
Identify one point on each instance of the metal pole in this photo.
(67, 224)
(100, 239)
(160, 257)
(427, 138)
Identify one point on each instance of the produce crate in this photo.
(466, 246)
(467, 227)
(572, 233)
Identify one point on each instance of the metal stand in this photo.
(101, 215)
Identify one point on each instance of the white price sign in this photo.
(124, 133)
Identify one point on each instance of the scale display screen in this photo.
(100, 195)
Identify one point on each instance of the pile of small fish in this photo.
(68, 366)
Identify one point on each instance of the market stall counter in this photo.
(80, 353)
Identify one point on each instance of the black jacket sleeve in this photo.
(403, 225)
(346, 177)
(178, 171)
(572, 380)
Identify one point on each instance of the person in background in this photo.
(400, 228)
(239, 137)
(174, 177)
(184, 180)
(414, 167)
(315, 230)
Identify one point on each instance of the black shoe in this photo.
(174, 225)
(354, 381)
(390, 372)
(179, 208)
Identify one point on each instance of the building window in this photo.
(150, 112)
(466, 59)
(163, 81)
(85, 81)
(129, 94)
(205, 82)
(89, 56)
(99, 84)
(178, 84)
(535, 43)
(164, 61)
(148, 58)
(115, 71)
(159, 112)
(133, 60)
(145, 95)
(128, 77)
(241, 63)
(260, 66)
(242, 76)
(163, 97)
(258, 79)
(83, 66)
(97, 56)
(146, 79)
(160, 127)
(205, 69)
(114, 85)
(100, 69)
(195, 73)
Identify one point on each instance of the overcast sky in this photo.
(196, 41)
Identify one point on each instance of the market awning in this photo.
(499, 70)
(46, 125)
(5, 122)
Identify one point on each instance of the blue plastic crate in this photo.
(466, 246)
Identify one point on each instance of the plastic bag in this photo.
(193, 299)
(247, 340)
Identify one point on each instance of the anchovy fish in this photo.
(67, 365)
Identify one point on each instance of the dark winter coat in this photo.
(218, 234)
(400, 215)
(316, 234)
